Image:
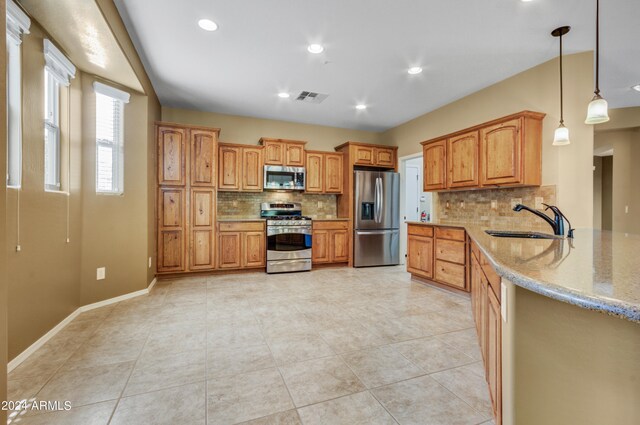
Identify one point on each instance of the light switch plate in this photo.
(494, 204)
(149, 262)
(539, 202)
(101, 273)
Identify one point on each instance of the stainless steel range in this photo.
(288, 237)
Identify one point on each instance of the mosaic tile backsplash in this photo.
(242, 205)
(477, 207)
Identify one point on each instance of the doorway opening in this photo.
(414, 203)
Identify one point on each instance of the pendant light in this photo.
(597, 111)
(561, 135)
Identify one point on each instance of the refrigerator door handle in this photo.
(378, 198)
(377, 232)
(381, 201)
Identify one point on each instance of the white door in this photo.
(412, 194)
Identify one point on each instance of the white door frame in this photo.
(403, 225)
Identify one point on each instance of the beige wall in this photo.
(44, 276)
(568, 167)
(597, 192)
(238, 129)
(626, 178)
(3, 206)
(621, 118)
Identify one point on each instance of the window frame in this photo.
(52, 146)
(116, 146)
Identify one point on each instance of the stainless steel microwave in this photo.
(283, 178)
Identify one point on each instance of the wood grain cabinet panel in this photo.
(451, 251)
(229, 169)
(363, 155)
(463, 160)
(314, 174)
(253, 249)
(171, 207)
(420, 255)
(450, 274)
(171, 245)
(330, 242)
(384, 157)
(501, 146)
(333, 170)
(171, 155)
(274, 152)
(494, 355)
(320, 247)
(202, 203)
(202, 249)
(203, 157)
(434, 156)
(229, 250)
(202, 244)
(339, 246)
(252, 169)
(294, 155)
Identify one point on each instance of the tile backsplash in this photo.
(477, 207)
(240, 205)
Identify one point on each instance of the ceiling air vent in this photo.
(311, 97)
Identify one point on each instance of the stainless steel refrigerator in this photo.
(377, 219)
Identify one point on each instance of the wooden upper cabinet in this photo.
(463, 160)
(171, 229)
(501, 146)
(315, 170)
(294, 155)
(172, 155)
(333, 169)
(252, 169)
(274, 152)
(434, 156)
(384, 157)
(288, 153)
(229, 168)
(203, 157)
(364, 155)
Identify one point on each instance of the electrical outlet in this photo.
(539, 201)
(101, 273)
(626, 209)
(494, 204)
(462, 204)
(319, 204)
(515, 201)
(447, 206)
(149, 262)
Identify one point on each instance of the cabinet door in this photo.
(202, 233)
(451, 251)
(435, 166)
(501, 147)
(462, 158)
(420, 256)
(494, 355)
(339, 246)
(333, 173)
(273, 153)
(363, 155)
(252, 169)
(229, 250)
(315, 173)
(172, 156)
(320, 247)
(229, 168)
(203, 157)
(253, 249)
(295, 155)
(171, 229)
(483, 302)
(384, 157)
(450, 274)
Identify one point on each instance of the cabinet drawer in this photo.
(450, 233)
(419, 230)
(242, 226)
(330, 225)
(450, 274)
(452, 251)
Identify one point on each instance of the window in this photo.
(58, 72)
(109, 138)
(17, 24)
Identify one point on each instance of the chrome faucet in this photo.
(557, 223)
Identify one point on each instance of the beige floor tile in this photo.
(225, 361)
(465, 341)
(92, 414)
(396, 329)
(234, 336)
(87, 385)
(361, 408)
(290, 417)
(46, 360)
(26, 388)
(247, 396)
(432, 355)
(100, 350)
(164, 370)
(351, 338)
(179, 405)
(470, 387)
(97, 313)
(297, 347)
(319, 380)
(422, 401)
(381, 366)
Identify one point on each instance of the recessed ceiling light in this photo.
(284, 95)
(207, 25)
(361, 106)
(414, 70)
(636, 87)
(315, 48)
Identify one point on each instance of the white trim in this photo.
(113, 92)
(46, 337)
(18, 22)
(58, 64)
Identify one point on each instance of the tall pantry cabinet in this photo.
(187, 160)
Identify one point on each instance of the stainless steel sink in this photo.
(518, 234)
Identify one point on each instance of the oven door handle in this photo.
(289, 231)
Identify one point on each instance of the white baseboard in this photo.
(46, 337)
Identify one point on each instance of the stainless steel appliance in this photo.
(283, 178)
(377, 219)
(288, 237)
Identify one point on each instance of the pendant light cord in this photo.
(561, 98)
(597, 92)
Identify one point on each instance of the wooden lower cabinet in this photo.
(420, 256)
(172, 233)
(330, 242)
(241, 245)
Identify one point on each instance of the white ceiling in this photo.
(463, 46)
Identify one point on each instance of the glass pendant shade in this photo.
(561, 136)
(598, 111)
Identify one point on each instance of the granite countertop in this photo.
(597, 270)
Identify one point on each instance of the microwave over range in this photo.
(283, 178)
